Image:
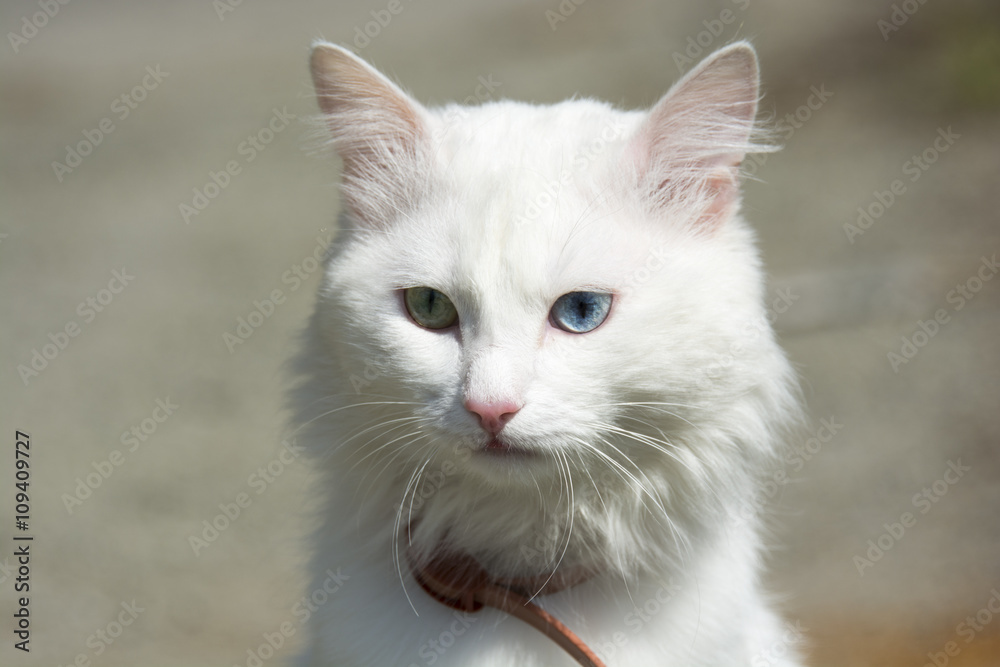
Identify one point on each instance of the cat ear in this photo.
(690, 146)
(378, 130)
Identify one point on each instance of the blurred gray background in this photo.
(885, 81)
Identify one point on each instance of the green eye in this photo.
(430, 308)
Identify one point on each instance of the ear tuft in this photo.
(377, 129)
(691, 145)
(348, 88)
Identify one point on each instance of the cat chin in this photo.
(507, 456)
(522, 465)
(513, 467)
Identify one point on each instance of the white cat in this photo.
(540, 342)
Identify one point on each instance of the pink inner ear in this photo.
(674, 166)
(637, 152)
(688, 149)
(378, 131)
(722, 188)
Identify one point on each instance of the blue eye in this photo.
(580, 312)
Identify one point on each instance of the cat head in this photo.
(536, 293)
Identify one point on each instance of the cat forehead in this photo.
(522, 177)
(484, 250)
(522, 202)
(529, 140)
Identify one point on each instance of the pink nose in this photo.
(492, 416)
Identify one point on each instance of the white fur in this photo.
(650, 431)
